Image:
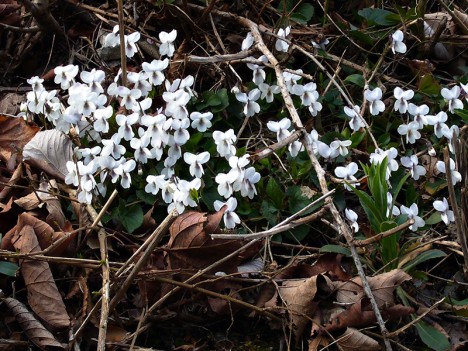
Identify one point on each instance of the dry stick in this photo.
(102, 236)
(81, 262)
(217, 295)
(343, 227)
(272, 231)
(154, 237)
(380, 236)
(287, 224)
(123, 57)
(462, 237)
(272, 148)
(414, 321)
(157, 235)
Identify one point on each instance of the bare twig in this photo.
(416, 320)
(462, 237)
(287, 224)
(102, 237)
(123, 56)
(380, 236)
(156, 238)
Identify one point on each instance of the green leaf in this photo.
(463, 114)
(336, 249)
(130, 217)
(275, 193)
(432, 337)
(149, 199)
(8, 268)
(361, 37)
(379, 17)
(389, 245)
(456, 302)
(296, 199)
(373, 213)
(299, 232)
(425, 256)
(303, 13)
(269, 212)
(356, 79)
(356, 138)
(428, 85)
(433, 218)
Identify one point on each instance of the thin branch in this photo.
(380, 236)
(156, 238)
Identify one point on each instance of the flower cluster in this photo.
(125, 131)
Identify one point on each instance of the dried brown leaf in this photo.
(49, 151)
(43, 295)
(33, 329)
(14, 136)
(382, 287)
(192, 247)
(299, 296)
(11, 102)
(353, 340)
(360, 314)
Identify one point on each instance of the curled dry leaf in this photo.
(360, 314)
(45, 234)
(49, 151)
(14, 136)
(299, 297)
(353, 340)
(33, 329)
(329, 264)
(191, 246)
(43, 295)
(43, 196)
(10, 103)
(382, 287)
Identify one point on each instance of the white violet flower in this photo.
(356, 121)
(397, 42)
(347, 173)
(402, 97)
(281, 45)
(230, 217)
(411, 131)
(373, 98)
(451, 96)
(352, 218)
(201, 121)
(167, 43)
(411, 162)
(412, 213)
(456, 176)
(445, 213)
(195, 162)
